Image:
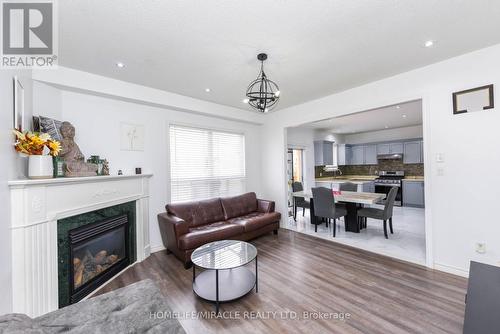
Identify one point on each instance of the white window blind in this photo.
(205, 163)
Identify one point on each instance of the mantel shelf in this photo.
(72, 180)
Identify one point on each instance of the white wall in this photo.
(409, 132)
(12, 166)
(457, 204)
(97, 121)
(303, 138)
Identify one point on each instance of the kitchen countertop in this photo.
(414, 179)
(356, 179)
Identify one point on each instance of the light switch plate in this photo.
(480, 247)
(440, 157)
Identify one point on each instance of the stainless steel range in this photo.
(388, 179)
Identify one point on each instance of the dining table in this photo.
(352, 201)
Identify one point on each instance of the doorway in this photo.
(295, 170)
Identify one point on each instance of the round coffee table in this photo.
(225, 278)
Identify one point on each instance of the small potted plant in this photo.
(40, 148)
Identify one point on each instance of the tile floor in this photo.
(407, 243)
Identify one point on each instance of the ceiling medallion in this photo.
(262, 93)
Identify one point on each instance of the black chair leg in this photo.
(303, 212)
(385, 229)
(334, 226)
(390, 225)
(316, 226)
(295, 212)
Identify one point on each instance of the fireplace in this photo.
(97, 251)
(93, 247)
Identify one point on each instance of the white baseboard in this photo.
(157, 248)
(451, 270)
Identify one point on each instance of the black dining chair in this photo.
(384, 214)
(324, 206)
(299, 202)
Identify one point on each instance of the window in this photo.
(205, 163)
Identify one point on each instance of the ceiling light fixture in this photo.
(387, 127)
(404, 116)
(120, 64)
(398, 107)
(429, 44)
(262, 93)
(207, 90)
(245, 100)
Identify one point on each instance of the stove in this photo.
(388, 179)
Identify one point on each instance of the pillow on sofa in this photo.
(240, 205)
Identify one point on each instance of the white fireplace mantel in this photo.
(37, 205)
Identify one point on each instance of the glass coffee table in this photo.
(225, 277)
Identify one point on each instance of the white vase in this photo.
(40, 167)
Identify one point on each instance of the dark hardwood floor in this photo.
(300, 273)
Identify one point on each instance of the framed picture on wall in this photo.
(18, 120)
(475, 99)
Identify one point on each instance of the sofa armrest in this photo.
(171, 228)
(265, 206)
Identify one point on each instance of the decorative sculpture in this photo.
(74, 160)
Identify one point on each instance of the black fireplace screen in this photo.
(98, 251)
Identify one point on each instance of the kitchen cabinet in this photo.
(323, 153)
(344, 154)
(413, 193)
(358, 155)
(371, 155)
(413, 152)
(390, 148)
(369, 187)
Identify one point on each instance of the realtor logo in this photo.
(28, 34)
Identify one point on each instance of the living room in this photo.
(153, 130)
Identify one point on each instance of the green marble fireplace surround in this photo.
(70, 223)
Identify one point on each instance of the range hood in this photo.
(397, 156)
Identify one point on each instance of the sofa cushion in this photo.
(201, 235)
(255, 220)
(199, 212)
(241, 205)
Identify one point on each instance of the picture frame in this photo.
(475, 99)
(18, 101)
(132, 137)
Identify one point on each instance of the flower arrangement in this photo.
(34, 143)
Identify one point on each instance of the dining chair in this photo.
(348, 186)
(384, 214)
(299, 202)
(324, 206)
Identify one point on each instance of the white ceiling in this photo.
(389, 117)
(315, 47)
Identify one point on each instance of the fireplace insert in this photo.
(98, 251)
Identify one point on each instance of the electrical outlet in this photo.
(480, 247)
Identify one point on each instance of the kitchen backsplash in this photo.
(387, 165)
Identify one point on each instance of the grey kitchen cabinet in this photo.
(371, 155)
(412, 152)
(323, 153)
(358, 155)
(341, 155)
(369, 187)
(390, 148)
(413, 194)
(348, 155)
(397, 148)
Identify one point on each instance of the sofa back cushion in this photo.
(241, 205)
(199, 212)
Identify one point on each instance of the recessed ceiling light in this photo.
(404, 116)
(387, 127)
(398, 107)
(207, 90)
(120, 64)
(246, 100)
(429, 44)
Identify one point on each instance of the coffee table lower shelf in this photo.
(232, 284)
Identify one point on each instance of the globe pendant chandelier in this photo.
(262, 94)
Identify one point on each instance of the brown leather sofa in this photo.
(186, 226)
